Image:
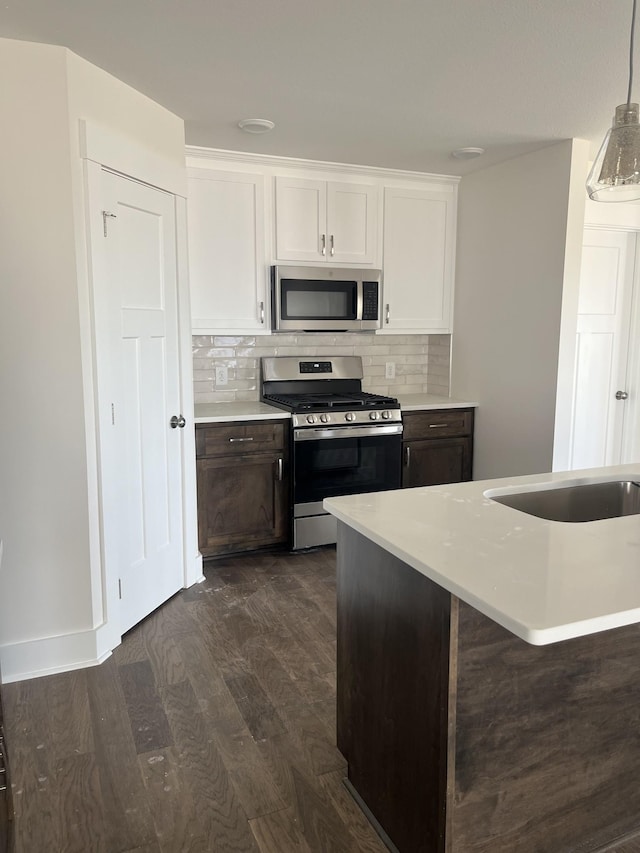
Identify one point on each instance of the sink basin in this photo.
(575, 503)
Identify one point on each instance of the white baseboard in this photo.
(35, 658)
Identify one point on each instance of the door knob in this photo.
(177, 422)
(621, 395)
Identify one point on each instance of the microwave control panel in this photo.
(370, 309)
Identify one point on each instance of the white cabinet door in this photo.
(227, 262)
(352, 220)
(326, 222)
(418, 260)
(301, 220)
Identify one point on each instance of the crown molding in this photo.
(256, 160)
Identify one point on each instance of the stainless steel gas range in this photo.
(344, 441)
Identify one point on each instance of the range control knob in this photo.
(349, 416)
(324, 419)
(386, 415)
(311, 419)
(374, 416)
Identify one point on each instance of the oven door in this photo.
(344, 461)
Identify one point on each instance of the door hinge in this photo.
(106, 214)
(119, 589)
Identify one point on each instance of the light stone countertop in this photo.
(424, 402)
(544, 581)
(212, 413)
(254, 410)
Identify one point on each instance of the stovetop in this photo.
(326, 392)
(331, 402)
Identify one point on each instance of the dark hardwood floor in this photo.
(211, 728)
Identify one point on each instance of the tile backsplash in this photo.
(421, 361)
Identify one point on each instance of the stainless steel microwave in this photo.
(325, 299)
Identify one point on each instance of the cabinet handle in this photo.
(280, 469)
(324, 244)
(407, 456)
(262, 313)
(386, 318)
(435, 426)
(241, 439)
(332, 251)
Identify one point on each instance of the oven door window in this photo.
(346, 466)
(318, 300)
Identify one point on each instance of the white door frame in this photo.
(100, 149)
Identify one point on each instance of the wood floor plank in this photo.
(216, 803)
(154, 847)
(364, 836)
(132, 648)
(36, 800)
(68, 703)
(127, 817)
(164, 655)
(278, 685)
(80, 813)
(176, 821)
(322, 828)
(261, 717)
(148, 720)
(279, 832)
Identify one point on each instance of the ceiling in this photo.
(396, 83)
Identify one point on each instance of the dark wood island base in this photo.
(462, 738)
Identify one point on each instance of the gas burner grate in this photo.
(319, 402)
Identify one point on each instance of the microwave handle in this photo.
(359, 300)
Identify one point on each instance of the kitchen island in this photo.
(489, 669)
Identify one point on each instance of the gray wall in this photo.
(512, 259)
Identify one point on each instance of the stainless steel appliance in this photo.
(344, 440)
(325, 299)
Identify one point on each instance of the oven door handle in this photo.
(346, 432)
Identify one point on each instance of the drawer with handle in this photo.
(437, 423)
(239, 438)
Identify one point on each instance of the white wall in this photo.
(512, 254)
(51, 584)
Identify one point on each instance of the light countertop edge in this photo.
(425, 402)
(254, 410)
(542, 580)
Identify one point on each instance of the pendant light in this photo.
(615, 174)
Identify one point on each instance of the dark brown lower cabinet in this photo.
(243, 490)
(462, 738)
(437, 447)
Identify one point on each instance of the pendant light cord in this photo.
(633, 28)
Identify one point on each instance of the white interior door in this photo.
(604, 317)
(140, 244)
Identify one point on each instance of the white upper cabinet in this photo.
(227, 260)
(325, 221)
(418, 259)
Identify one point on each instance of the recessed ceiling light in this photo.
(467, 153)
(256, 125)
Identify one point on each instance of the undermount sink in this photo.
(574, 503)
